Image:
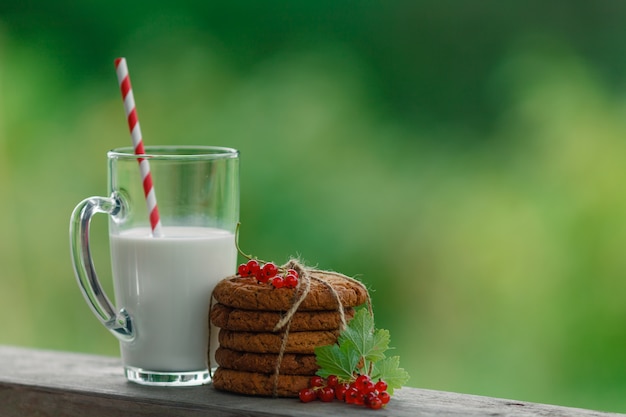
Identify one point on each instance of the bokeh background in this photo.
(466, 160)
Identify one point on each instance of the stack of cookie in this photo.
(247, 312)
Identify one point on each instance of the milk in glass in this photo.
(165, 284)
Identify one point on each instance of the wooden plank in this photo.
(45, 383)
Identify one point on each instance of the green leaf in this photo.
(360, 334)
(336, 360)
(381, 344)
(389, 370)
(360, 344)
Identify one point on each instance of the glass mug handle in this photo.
(119, 323)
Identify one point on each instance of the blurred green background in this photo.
(466, 160)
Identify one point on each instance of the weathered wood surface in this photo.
(45, 383)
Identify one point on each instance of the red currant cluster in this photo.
(361, 391)
(269, 273)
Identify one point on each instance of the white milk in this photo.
(165, 284)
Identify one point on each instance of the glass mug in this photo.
(162, 284)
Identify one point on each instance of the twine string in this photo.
(304, 286)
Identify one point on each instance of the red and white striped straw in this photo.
(135, 133)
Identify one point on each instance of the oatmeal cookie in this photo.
(254, 383)
(297, 342)
(234, 319)
(245, 293)
(291, 364)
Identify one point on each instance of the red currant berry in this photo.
(307, 395)
(291, 281)
(269, 270)
(253, 266)
(340, 391)
(243, 270)
(332, 381)
(381, 386)
(360, 381)
(293, 272)
(370, 396)
(368, 387)
(350, 395)
(375, 403)
(316, 381)
(326, 394)
(384, 396)
(354, 396)
(262, 278)
(278, 282)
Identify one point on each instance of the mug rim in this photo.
(175, 152)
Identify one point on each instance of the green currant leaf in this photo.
(360, 344)
(360, 334)
(389, 370)
(336, 360)
(381, 344)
